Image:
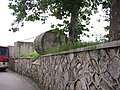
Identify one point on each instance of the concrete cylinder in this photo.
(48, 41)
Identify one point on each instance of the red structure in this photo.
(4, 55)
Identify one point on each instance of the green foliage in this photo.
(107, 28)
(80, 10)
(101, 38)
(32, 54)
(68, 46)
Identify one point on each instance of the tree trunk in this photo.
(114, 33)
(72, 32)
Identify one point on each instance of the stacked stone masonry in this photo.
(89, 68)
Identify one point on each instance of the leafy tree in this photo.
(78, 11)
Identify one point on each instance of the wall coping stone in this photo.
(23, 58)
(112, 44)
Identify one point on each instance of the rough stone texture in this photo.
(26, 67)
(83, 69)
(11, 63)
(48, 40)
(23, 47)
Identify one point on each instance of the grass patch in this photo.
(34, 55)
(68, 46)
(64, 47)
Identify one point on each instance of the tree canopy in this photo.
(78, 11)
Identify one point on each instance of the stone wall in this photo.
(26, 67)
(88, 68)
(11, 64)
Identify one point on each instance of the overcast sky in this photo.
(31, 29)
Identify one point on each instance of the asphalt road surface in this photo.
(12, 81)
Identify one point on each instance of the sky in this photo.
(32, 29)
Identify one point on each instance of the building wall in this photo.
(23, 47)
(88, 68)
(11, 51)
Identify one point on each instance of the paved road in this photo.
(12, 81)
